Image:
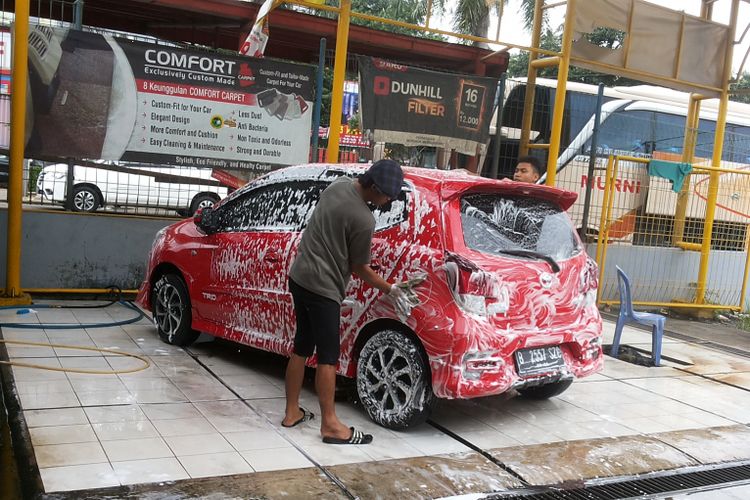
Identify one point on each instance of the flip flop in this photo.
(357, 437)
(306, 416)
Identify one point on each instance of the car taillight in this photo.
(476, 291)
(588, 283)
(589, 277)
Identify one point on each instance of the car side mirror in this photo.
(206, 220)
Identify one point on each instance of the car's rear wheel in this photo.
(393, 381)
(202, 201)
(546, 391)
(85, 199)
(171, 311)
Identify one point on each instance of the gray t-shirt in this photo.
(338, 236)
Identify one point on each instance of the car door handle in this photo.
(272, 257)
(375, 265)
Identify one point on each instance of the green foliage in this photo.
(742, 89)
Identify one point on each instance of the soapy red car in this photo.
(507, 300)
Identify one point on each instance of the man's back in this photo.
(337, 236)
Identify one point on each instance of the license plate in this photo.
(540, 360)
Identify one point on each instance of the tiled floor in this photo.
(216, 412)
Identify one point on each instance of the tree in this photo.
(741, 89)
(472, 17)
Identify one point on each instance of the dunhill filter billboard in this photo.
(418, 107)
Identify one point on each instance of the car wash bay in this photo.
(194, 416)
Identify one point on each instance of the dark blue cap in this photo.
(387, 176)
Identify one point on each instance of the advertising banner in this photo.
(98, 97)
(418, 107)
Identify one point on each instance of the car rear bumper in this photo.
(487, 366)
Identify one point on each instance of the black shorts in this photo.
(317, 325)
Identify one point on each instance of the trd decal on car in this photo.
(209, 296)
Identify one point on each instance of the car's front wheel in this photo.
(171, 311)
(546, 391)
(393, 381)
(85, 199)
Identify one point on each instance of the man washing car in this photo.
(335, 244)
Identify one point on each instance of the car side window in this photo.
(285, 206)
(392, 214)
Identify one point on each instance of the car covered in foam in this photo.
(506, 290)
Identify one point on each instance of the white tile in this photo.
(257, 391)
(256, 440)
(97, 384)
(78, 477)
(198, 444)
(54, 417)
(184, 426)
(62, 434)
(96, 398)
(215, 464)
(149, 384)
(57, 455)
(153, 470)
(331, 454)
(167, 411)
(276, 459)
(159, 396)
(433, 446)
(490, 439)
(389, 449)
(23, 351)
(51, 400)
(124, 413)
(237, 424)
(136, 449)
(112, 431)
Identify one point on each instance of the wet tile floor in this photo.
(215, 408)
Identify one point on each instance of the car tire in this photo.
(398, 395)
(202, 201)
(170, 306)
(546, 391)
(86, 199)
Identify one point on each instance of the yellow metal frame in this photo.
(605, 223)
(13, 295)
(713, 182)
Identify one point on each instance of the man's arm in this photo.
(370, 277)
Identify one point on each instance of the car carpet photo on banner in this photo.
(96, 97)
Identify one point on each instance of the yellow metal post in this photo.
(339, 70)
(528, 98)
(713, 180)
(562, 80)
(602, 241)
(688, 153)
(13, 294)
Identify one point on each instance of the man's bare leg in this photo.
(325, 385)
(295, 375)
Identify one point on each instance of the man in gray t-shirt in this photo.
(335, 244)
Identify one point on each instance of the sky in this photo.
(511, 29)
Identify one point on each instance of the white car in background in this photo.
(94, 188)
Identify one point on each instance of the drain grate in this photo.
(652, 484)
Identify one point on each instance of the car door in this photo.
(250, 261)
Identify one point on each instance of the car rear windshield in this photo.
(495, 223)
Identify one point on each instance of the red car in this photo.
(508, 301)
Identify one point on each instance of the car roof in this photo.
(450, 183)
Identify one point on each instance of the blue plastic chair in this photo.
(656, 321)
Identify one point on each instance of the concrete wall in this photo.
(64, 250)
